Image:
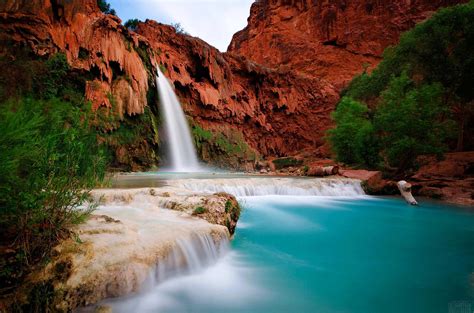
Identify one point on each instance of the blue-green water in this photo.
(317, 254)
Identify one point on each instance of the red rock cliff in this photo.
(278, 112)
(330, 39)
(308, 50)
(92, 41)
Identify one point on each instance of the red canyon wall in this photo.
(278, 112)
(92, 41)
(331, 39)
(277, 85)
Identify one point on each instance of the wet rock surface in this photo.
(133, 231)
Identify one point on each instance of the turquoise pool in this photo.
(323, 254)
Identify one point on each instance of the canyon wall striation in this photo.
(330, 39)
(275, 88)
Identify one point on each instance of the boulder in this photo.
(372, 181)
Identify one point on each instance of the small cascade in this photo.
(277, 186)
(181, 149)
(190, 255)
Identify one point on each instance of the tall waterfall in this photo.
(181, 149)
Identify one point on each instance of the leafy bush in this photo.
(411, 121)
(39, 78)
(228, 206)
(132, 24)
(104, 6)
(222, 147)
(49, 161)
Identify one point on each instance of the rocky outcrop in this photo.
(277, 111)
(93, 42)
(450, 179)
(132, 241)
(333, 40)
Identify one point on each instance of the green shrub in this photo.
(104, 6)
(49, 161)
(199, 210)
(228, 206)
(132, 24)
(222, 147)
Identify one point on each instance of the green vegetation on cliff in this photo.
(105, 7)
(415, 101)
(132, 24)
(225, 148)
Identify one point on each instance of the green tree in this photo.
(411, 121)
(132, 24)
(353, 138)
(439, 50)
(104, 6)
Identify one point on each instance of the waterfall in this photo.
(180, 144)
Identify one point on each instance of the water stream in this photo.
(182, 153)
(317, 249)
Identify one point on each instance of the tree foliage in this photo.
(104, 6)
(408, 103)
(132, 23)
(353, 139)
(411, 121)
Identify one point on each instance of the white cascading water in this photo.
(181, 149)
(190, 255)
(276, 186)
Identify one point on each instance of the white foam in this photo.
(275, 186)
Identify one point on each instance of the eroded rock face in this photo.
(278, 111)
(331, 39)
(92, 41)
(450, 179)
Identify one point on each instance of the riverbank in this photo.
(450, 179)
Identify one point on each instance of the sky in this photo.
(214, 21)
